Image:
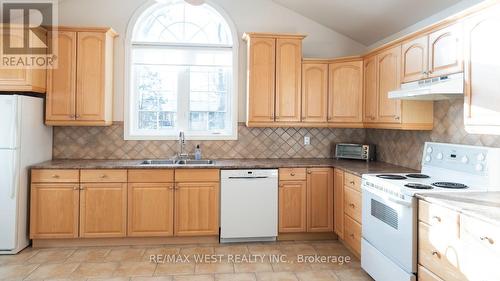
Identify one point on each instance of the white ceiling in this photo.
(367, 21)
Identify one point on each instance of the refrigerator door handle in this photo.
(15, 173)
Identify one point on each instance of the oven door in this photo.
(389, 225)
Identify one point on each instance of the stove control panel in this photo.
(460, 158)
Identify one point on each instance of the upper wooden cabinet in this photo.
(415, 53)
(382, 75)
(482, 70)
(345, 93)
(435, 54)
(14, 79)
(314, 92)
(80, 89)
(274, 63)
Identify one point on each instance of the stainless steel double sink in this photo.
(177, 162)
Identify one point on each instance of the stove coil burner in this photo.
(418, 176)
(451, 185)
(418, 186)
(391, 177)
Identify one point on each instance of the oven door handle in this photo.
(388, 198)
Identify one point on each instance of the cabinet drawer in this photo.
(435, 215)
(55, 176)
(352, 203)
(150, 176)
(292, 174)
(197, 175)
(482, 233)
(439, 251)
(103, 175)
(352, 234)
(352, 181)
(426, 275)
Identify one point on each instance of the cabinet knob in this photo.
(77, 116)
(55, 176)
(397, 117)
(281, 185)
(352, 235)
(103, 176)
(292, 174)
(308, 171)
(486, 238)
(436, 219)
(72, 116)
(436, 253)
(351, 182)
(75, 188)
(82, 187)
(352, 205)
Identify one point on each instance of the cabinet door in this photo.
(345, 98)
(482, 100)
(150, 209)
(90, 86)
(288, 79)
(338, 203)
(320, 200)
(314, 92)
(446, 51)
(54, 210)
(61, 81)
(103, 210)
(261, 79)
(414, 56)
(370, 100)
(196, 209)
(389, 65)
(292, 206)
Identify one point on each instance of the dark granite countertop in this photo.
(481, 205)
(352, 166)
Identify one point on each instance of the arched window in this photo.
(182, 74)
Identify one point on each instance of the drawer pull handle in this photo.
(103, 176)
(483, 238)
(292, 174)
(55, 176)
(352, 205)
(352, 235)
(351, 182)
(436, 253)
(436, 219)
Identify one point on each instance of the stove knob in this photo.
(479, 167)
(439, 156)
(464, 159)
(480, 157)
(427, 158)
(429, 149)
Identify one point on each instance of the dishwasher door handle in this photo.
(250, 178)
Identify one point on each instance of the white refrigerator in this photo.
(24, 141)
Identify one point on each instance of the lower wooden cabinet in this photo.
(338, 203)
(426, 275)
(103, 210)
(196, 208)
(320, 200)
(292, 206)
(54, 210)
(306, 202)
(150, 209)
(352, 235)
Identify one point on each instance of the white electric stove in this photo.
(389, 208)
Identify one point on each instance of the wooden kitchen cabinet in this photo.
(352, 235)
(320, 200)
(370, 92)
(345, 93)
(80, 91)
(22, 79)
(482, 60)
(415, 59)
(274, 64)
(103, 210)
(292, 206)
(352, 204)
(338, 203)
(54, 210)
(196, 207)
(432, 55)
(389, 73)
(314, 92)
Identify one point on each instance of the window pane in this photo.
(217, 121)
(198, 121)
(179, 22)
(148, 120)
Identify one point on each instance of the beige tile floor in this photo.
(134, 263)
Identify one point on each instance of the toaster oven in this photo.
(355, 151)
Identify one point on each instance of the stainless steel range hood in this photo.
(439, 88)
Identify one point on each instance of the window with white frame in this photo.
(182, 60)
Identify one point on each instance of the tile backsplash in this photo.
(108, 143)
(402, 148)
(405, 148)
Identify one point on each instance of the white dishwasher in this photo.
(249, 205)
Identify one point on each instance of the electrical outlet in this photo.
(307, 140)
